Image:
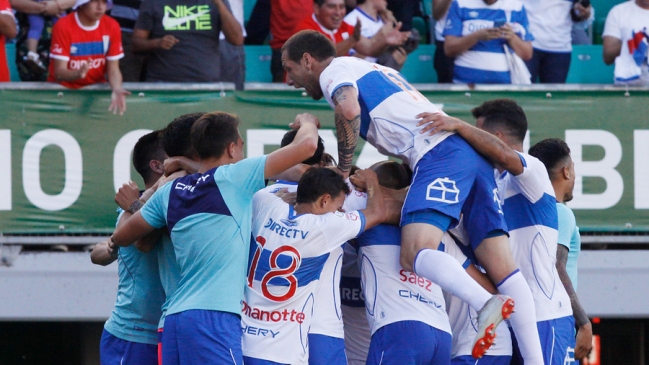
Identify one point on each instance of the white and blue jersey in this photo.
(209, 218)
(286, 261)
(327, 315)
(389, 105)
(369, 26)
(570, 238)
(529, 205)
(139, 297)
(485, 62)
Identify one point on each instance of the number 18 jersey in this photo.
(389, 105)
(287, 255)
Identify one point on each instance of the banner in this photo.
(62, 154)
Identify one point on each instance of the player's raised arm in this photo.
(375, 213)
(348, 123)
(303, 146)
(489, 145)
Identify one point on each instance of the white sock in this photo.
(523, 320)
(443, 270)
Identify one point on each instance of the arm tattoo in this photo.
(135, 207)
(581, 318)
(347, 131)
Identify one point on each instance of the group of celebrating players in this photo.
(217, 268)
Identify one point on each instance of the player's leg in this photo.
(114, 350)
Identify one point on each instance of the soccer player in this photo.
(130, 334)
(292, 245)
(450, 178)
(529, 205)
(208, 215)
(398, 301)
(555, 155)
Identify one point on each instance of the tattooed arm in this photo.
(584, 328)
(348, 122)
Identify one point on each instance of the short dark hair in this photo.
(146, 149)
(391, 174)
(309, 41)
(175, 139)
(328, 160)
(551, 152)
(504, 115)
(318, 181)
(317, 156)
(213, 132)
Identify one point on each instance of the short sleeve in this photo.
(521, 18)
(612, 26)
(453, 24)
(154, 211)
(247, 175)
(335, 76)
(60, 44)
(145, 19)
(5, 8)
(340, 227)
(115, 50)
(356, 200)
(533, 180)
(567, 225)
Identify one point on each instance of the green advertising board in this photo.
(62, 154)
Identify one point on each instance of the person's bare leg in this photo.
(495, 256)
(419, 254)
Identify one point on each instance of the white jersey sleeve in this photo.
(533, 182)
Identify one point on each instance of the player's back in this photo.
(389, 105)
(286, 259)
(529, 206)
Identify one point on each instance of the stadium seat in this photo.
(11, 61)
(587, 66)
(258, 64)
(419, 65)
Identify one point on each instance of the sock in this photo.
(523, 320)
(443, 270)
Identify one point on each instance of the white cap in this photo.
(109, 4)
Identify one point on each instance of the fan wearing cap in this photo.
(86, 48)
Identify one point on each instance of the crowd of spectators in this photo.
(82, 42)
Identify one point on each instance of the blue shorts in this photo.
(115, 351)
(454, 179)
(202, 337)
(409, 343)
(485, 360)
(326, 350)
(557, 342)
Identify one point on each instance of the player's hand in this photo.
(167, 42)
(127, 194)
(300, 119)
(488, 34)
(111, 249)
(362, 179)
(584, 342)
(286, 196)
(118, 101)
(436, 122)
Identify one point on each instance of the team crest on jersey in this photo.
(443, 190)
(352, 216)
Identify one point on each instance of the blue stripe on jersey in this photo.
(379, 88)
(522, 160)
(475, 76)
(365, 119)
(309, 270)
(383, 234)
(520, 212)
(338, 87)
(87, 49)
(194, 194)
